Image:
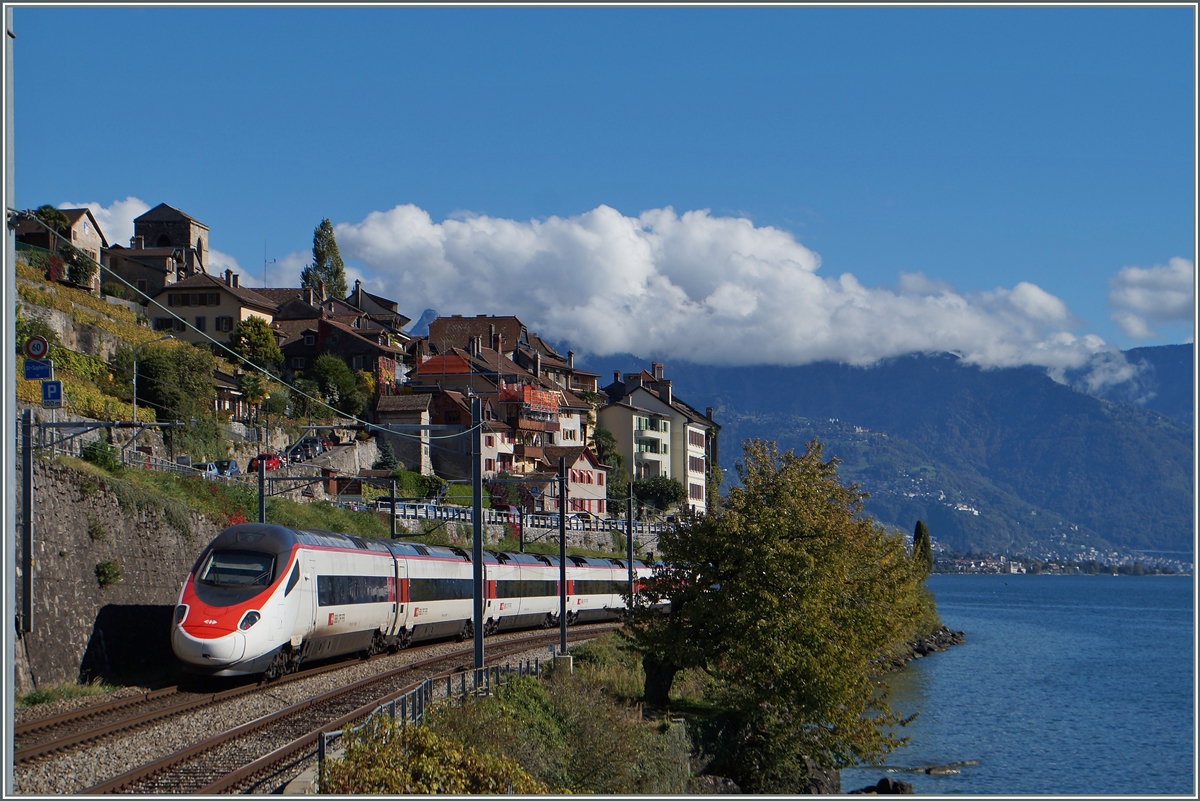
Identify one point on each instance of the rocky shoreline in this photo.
(939, 639)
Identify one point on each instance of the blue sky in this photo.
(1016, 184)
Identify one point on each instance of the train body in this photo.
(261, 598)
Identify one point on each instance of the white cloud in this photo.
(1145, 296)
(219, 262)
(716, 290)
(115, 220)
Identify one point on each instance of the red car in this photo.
(270, 460)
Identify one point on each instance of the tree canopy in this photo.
(660, 492)
(339, 385)
(327, 267)
(783, 596)
(253, 340)
(923, 547)
(176, 379)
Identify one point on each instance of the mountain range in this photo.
(1003, 460)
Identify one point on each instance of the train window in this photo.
(342, 590)
(238, 568)
(292, 579)
(526, 589)
(440, 589)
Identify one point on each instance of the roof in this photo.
(456, 331)
(573, 454)
(75, 215)
(293, 329)
(163, 213)
(205, 281)
(450, 364)
(281, 294)
(403, 403)
(358, 335)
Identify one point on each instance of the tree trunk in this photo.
(659, 678)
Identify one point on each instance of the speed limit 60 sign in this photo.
(36, 347)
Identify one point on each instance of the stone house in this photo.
(411, 449)
(213, 306)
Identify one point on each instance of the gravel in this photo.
(110, 757)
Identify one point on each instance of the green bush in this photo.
(567, 733)
(394, 758)
(108, 573)
(101, 454)
(68, 689)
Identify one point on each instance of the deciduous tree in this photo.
(253, 340)
(783, 596)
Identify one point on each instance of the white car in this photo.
(207, 469)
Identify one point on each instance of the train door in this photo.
(307, 605)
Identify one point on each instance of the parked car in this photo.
(228, 467)
(297, 453)
(326, 443)
(207, 469)
(315, 442)
(271, 461)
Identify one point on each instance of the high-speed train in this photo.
(261, 599)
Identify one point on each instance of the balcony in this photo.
(522, 451)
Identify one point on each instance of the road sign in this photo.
(36, 369)
(36, 347)
(51, 394)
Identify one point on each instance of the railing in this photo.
(412, 705)
(426, 511)
(134, 458)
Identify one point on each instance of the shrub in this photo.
(101, 454)
(96, 530)
(390, 757)
(108, 573)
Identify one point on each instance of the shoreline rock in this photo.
(939, 639)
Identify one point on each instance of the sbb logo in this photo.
(336, 618)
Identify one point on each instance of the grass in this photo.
(66, 689)
(609, 663)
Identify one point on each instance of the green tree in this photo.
(327, 267)
(253, 340)
(783, 596)
(56, 220)
(303, 406)
(80, 268)
(339, 385)
(922, 547)
(253, 388)
(660, 492)
(275, 404)
(387, 457)
(177, 380)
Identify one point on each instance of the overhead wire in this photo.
(30, 215)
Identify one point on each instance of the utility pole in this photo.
(393, 508)
(262, 489)
(562, 555)
(477, 526)
(26, 522)
(629, 541)
(8, 358)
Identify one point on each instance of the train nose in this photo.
(217, 651)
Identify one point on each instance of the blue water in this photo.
(1065, 685)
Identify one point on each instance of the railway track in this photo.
(257, 752)
(52, 735)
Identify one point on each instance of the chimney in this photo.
(137, 243)
(665, 391)
(708, 412)
(571, 359)
(657, 367)
(492, 337)
(616, 376)
(235, 280)
(229, 278)
(499, 343)
(537, 363)
(308, 296)
(321, 288)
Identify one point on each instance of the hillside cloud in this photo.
(1146, 296)
(708, 289)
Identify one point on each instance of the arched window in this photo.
(163, 241)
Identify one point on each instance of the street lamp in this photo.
(135, 355)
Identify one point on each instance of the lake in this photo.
(1065, 685)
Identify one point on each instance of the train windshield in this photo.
(237, 569)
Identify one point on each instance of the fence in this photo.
(429, 511)
(134, 458)
(412, 705)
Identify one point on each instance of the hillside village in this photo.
(354, 354)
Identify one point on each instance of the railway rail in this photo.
(260, 751)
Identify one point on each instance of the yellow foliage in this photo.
(397, 758)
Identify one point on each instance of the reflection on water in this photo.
(1064, 685)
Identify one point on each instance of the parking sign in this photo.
(51, 394)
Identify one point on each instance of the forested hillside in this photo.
(992, 459)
